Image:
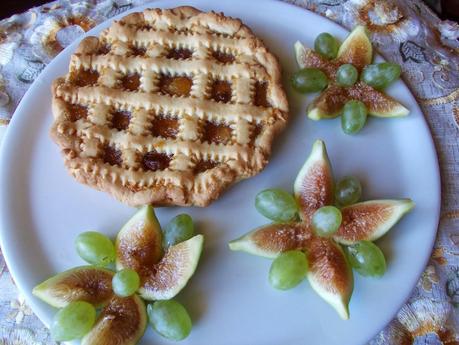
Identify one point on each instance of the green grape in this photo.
(73, 322)
(309, 80)
(179, 229)
(347, 75)
(276, 204)
(354, 117)
(288, 270)
(326, 221)
(348, 191)
(326, 45)
(125, 282)
(170, 319)
(95, 248)
(367, 259)
(381, 75)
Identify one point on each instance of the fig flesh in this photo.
(121, 322)
(356, 49)
(313, 187)
(330, 275)
(169, 276)
(370, 220)
(85, 283)
(139, 242)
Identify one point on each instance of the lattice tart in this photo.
(168, 107)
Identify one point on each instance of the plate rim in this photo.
(39, 83)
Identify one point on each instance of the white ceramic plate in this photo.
(43, 209)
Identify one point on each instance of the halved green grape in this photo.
(73, 322)
(326, 221)
(326, 45)
(276, 204)
(309, 80)
(288, 269)
(170, 319)
(125, 282)
(347, 75)
(354, 117)
(95, 248)
(348, 191)
(381, 75)
(367, 259)
(179, 229)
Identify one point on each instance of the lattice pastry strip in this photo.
(168, 107)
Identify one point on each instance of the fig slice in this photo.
(330, 274)
(370, 220)
(308, 58)
(330, 102)
(169, 276)
(313, 187)
(356, 49)
(121, 322)
(272, 239)
(86, 283)
(139, 242)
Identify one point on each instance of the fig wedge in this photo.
(330, 274)
(121, 322)
(314, 187)
(356, 49)
(272, 239)
(331, 101)
(139, 242)
(370, 220)
(169, 276)
(86, 283)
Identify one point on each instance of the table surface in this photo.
(405, 32)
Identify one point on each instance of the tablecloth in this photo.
(406, 32)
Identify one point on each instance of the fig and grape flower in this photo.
(305, 239)
(101, 306)
(334, 70)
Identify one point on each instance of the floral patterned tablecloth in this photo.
(406, 32)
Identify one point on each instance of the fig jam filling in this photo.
(179, 53)
(164, 127)
(223, 57)
(261, 94)
(178, 86)
(112, 156)
(131, 81)
(221, 91)
(121, 119)
(202, 166)
(86, 78)
(256, 130)
(155, 161)
(138, 51)
(216, 133)
(77, 112)
(104, 49)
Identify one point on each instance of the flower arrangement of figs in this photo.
(334, 70)
(311, 227)
(100, 306)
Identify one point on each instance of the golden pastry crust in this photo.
(168, 107)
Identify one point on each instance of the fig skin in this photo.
(85, 283)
